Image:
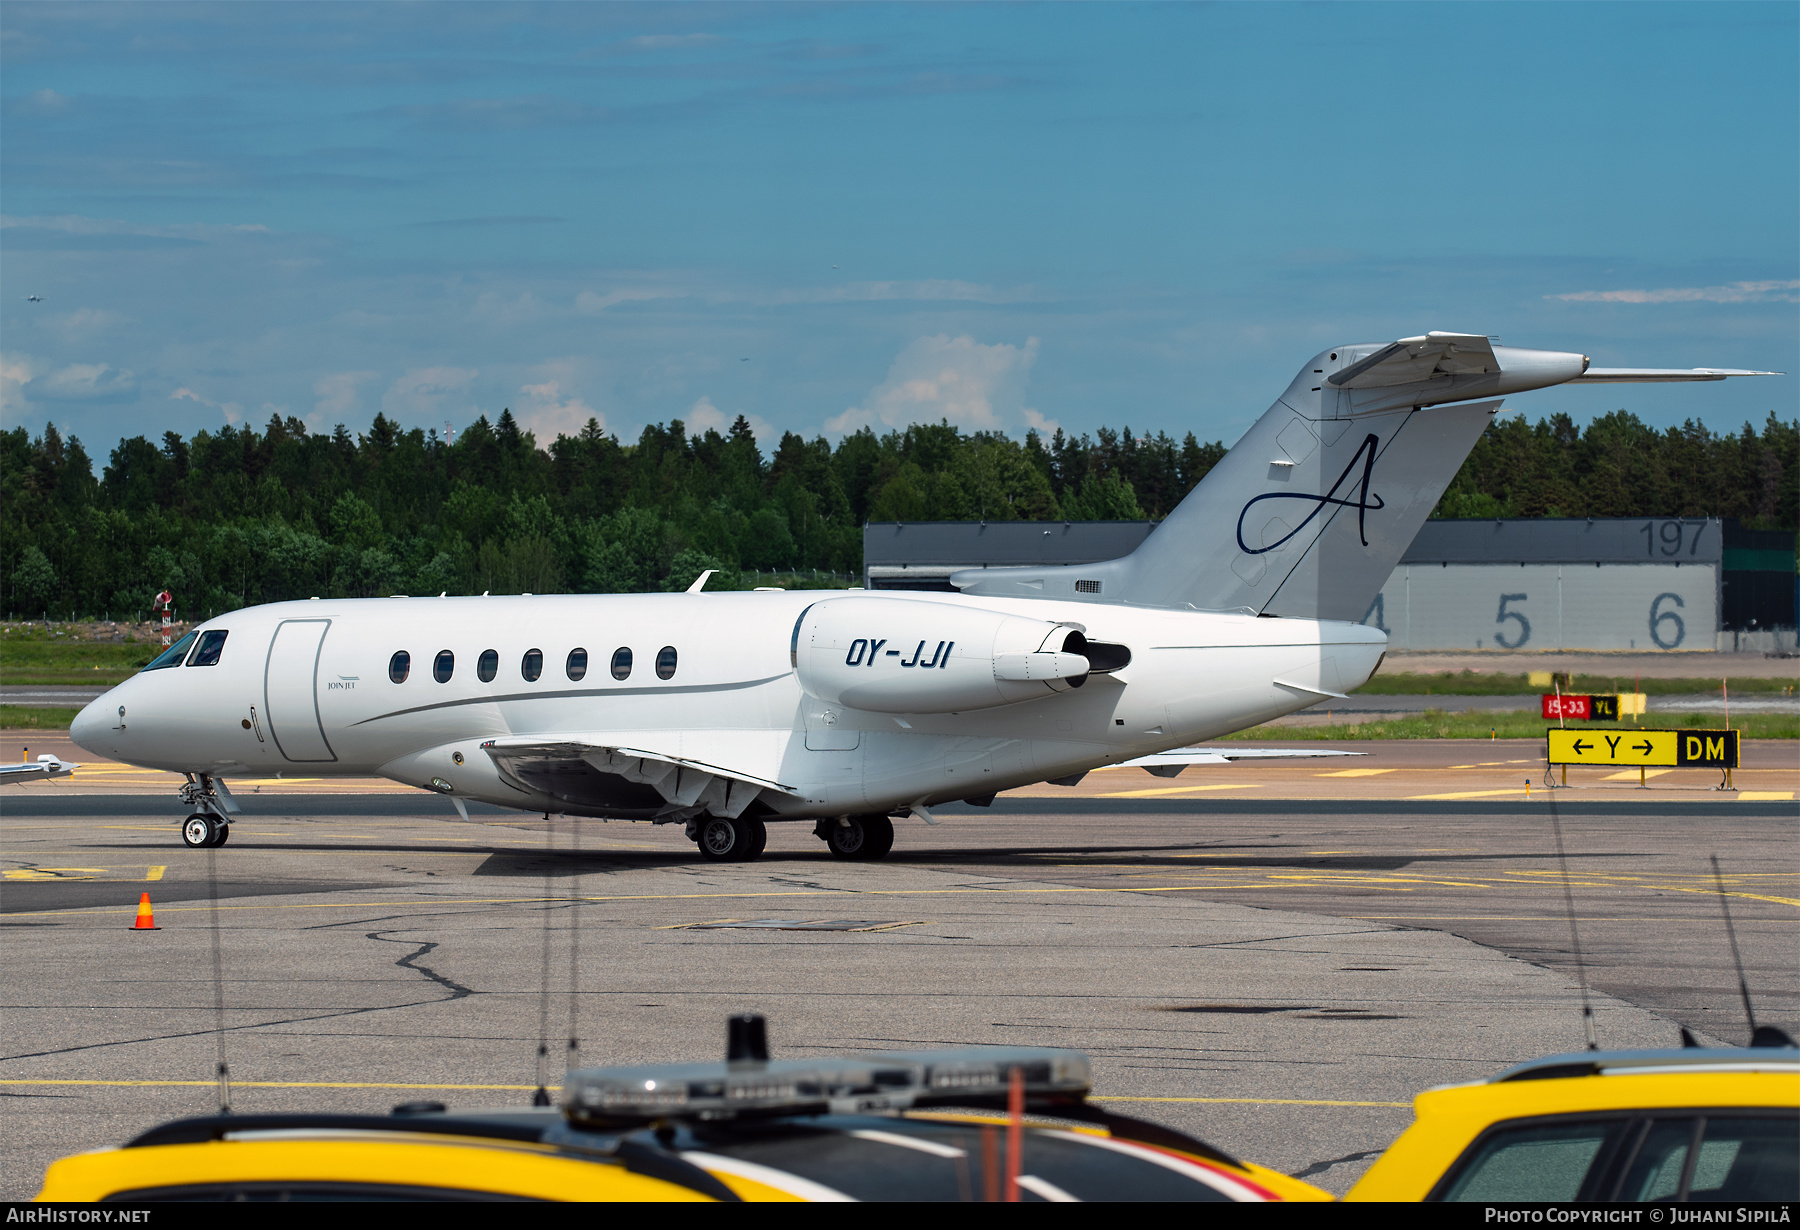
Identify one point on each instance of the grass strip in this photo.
(1486, 683)
(1515, 724)
(26, 717)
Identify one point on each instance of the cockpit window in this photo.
(211, 645)
(174, 654)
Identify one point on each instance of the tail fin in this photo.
(1307, 515)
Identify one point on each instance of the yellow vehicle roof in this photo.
(533, 1155)
(1446, 1120)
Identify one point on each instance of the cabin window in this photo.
(399, 666)
(665, 662)
(487, 665)
(621, 666)
(533, 665)
(444, 667)
(206, 653)
(174, 654)
(577, 666)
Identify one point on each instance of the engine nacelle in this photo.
(896, 656)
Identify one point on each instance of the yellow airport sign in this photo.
(1689, 749)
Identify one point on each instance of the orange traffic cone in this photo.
(146, 921)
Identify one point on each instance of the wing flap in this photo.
(687, 786)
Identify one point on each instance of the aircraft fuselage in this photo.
(315, 689)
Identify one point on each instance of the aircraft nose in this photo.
(92, 723)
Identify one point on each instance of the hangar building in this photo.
(1661, 584)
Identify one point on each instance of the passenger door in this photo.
(290, 691)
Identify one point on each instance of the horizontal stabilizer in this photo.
(1660, 375)
(1169, 764)
(45, 766)
(1412, 359)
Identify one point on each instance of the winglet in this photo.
(701, 580)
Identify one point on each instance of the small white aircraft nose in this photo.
(92, 724)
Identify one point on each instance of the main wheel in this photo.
(197, 831)
(863, 838)
(759, 838)
(723, 840)
(223, 835)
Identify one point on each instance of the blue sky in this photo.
(824, 216)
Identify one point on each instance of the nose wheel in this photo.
(201, 832)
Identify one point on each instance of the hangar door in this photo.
(290, 690)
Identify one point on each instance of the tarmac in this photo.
(1271, 955)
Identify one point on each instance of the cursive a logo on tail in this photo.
(869, 652)
(1365, 456)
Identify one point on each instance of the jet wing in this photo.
(1170, 764)
(45, 766)
(689, 787)
(1660, 375)
(1412, 359)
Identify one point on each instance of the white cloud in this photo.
(15, 374)
(590, 304)
(45, 102)
(1736, 292)
(547, 413)
(85, 322)
(76, 224)
(703, 416)
(974, 386)
(928, 290)
(233, 411)
(1043, 426)
(85, 382)
(337, 395)
(425, 390)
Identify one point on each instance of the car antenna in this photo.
(1760, 1035)
(574, 1053)
(1562, 860)
(542, 1096)
(221, 1069)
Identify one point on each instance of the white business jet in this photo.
(729, 711)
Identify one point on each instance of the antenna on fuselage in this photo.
(1760, 1035)
(542, 1096)
(220, 1068)
(574, 1053)
(1562, 862)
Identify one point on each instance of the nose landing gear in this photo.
(201, 831)
(210, 826)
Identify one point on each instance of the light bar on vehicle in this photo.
(858, 1085)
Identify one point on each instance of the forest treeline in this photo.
(239, 516)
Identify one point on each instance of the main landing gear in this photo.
(725, 840)
(201, 831)
(864, 838)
